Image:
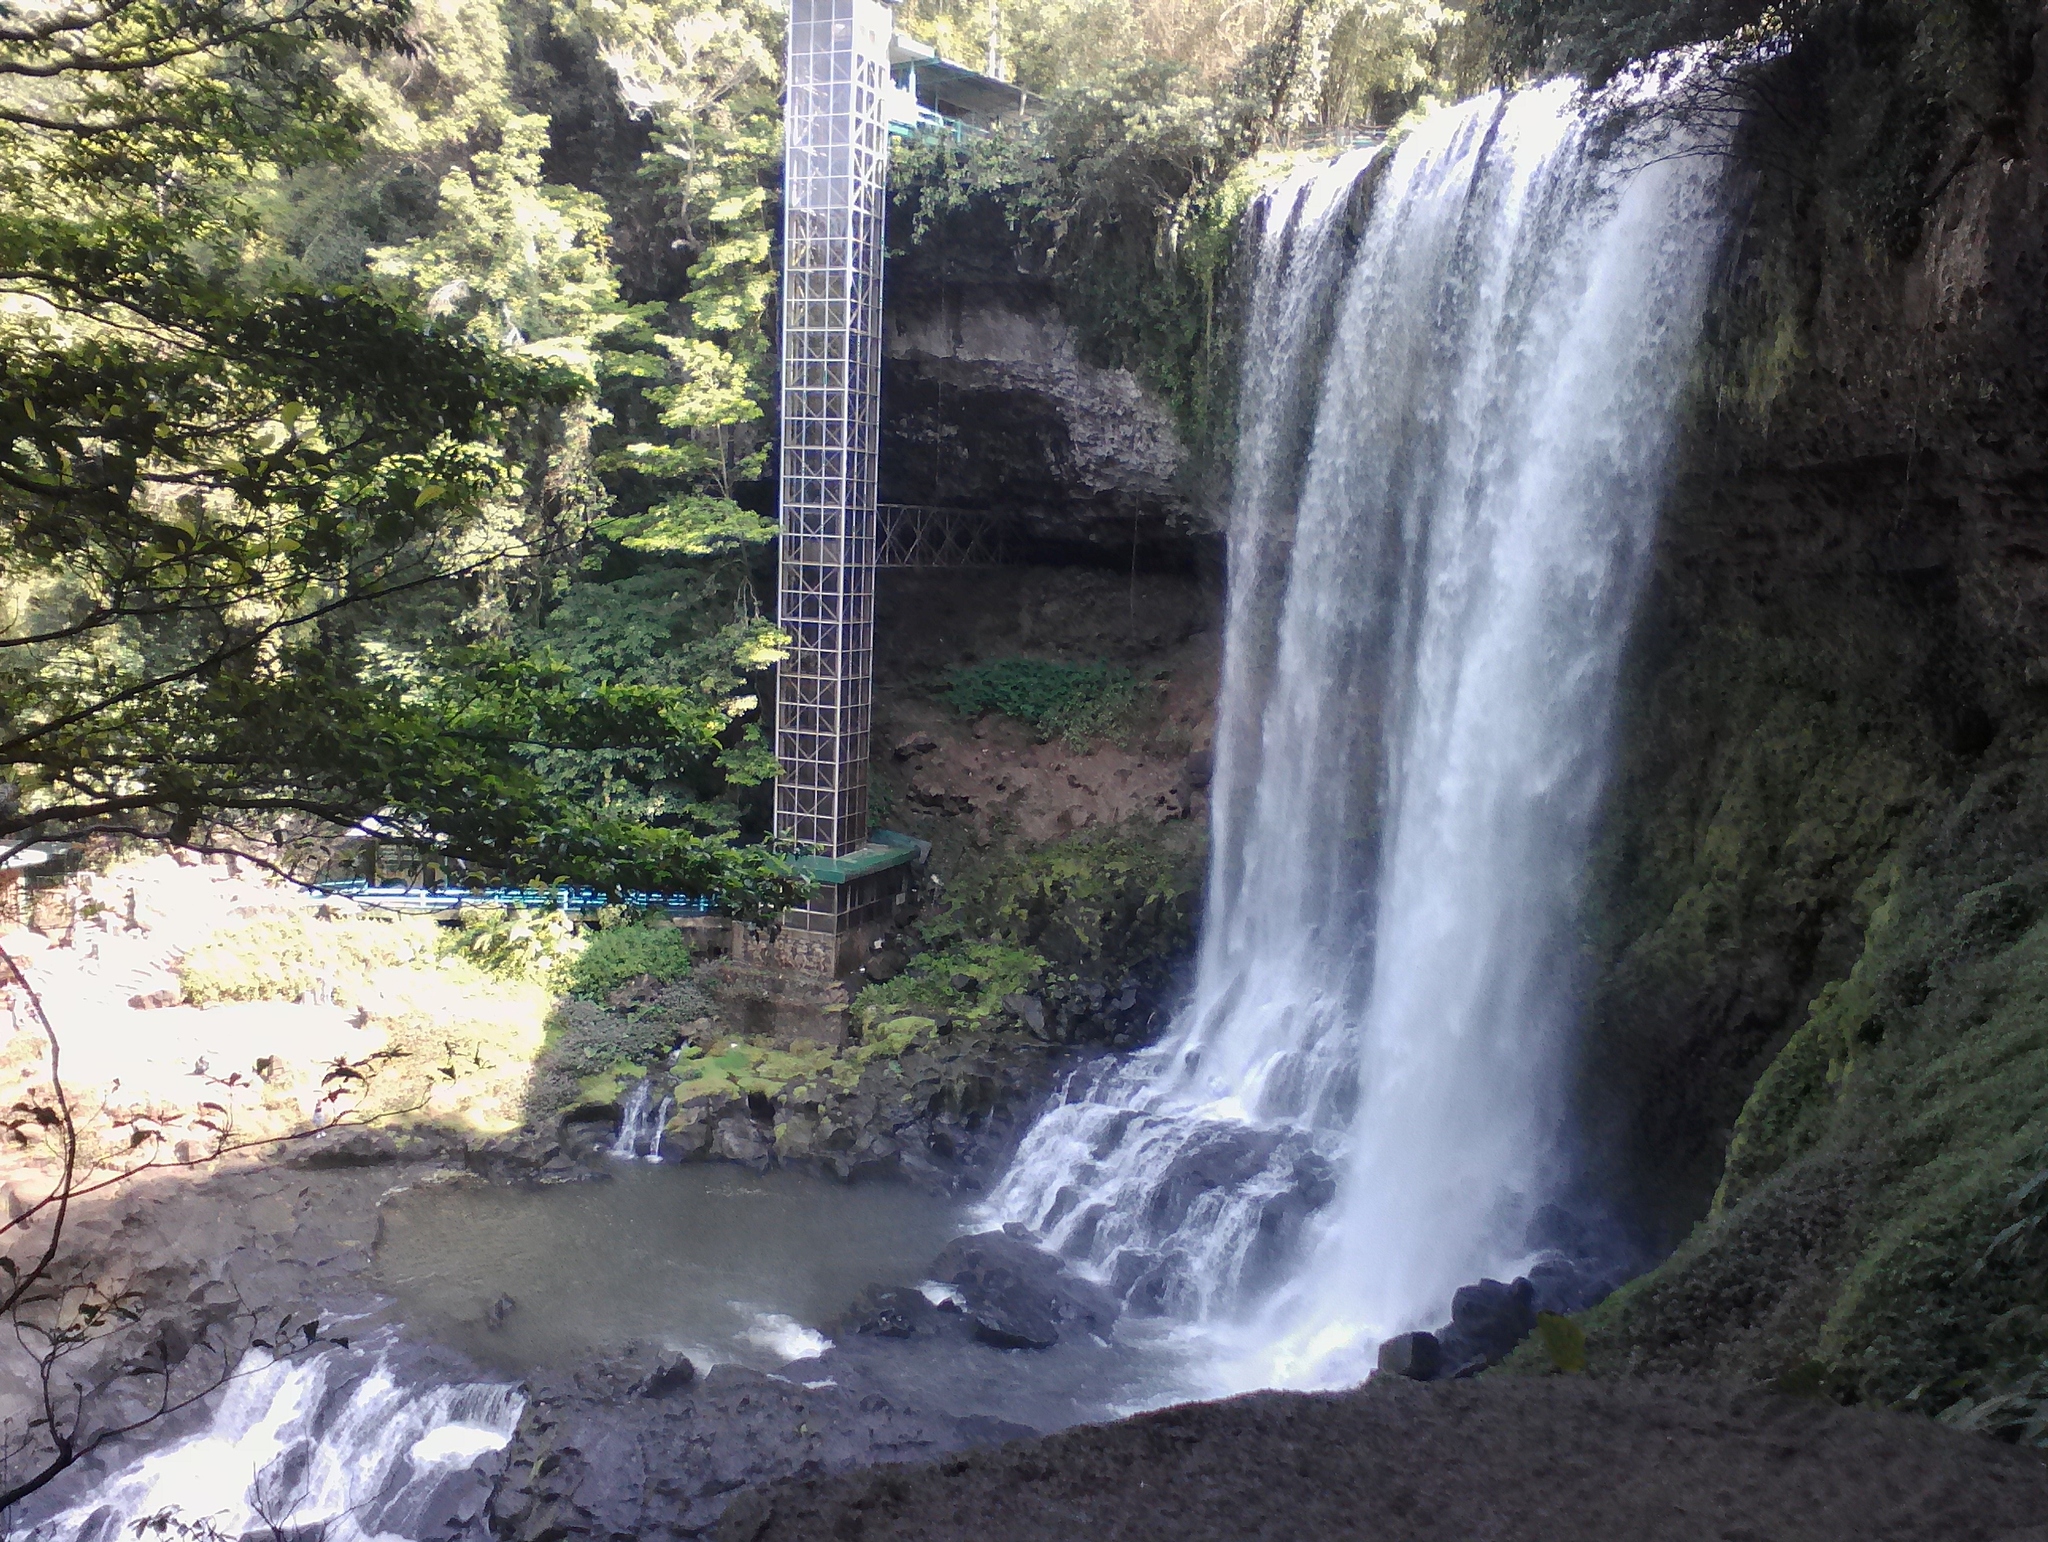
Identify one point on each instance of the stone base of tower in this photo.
(858, 899)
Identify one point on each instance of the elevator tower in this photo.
(836, 162)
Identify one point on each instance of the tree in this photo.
(688, 382)
(216, 475)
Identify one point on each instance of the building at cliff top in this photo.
(929, 94)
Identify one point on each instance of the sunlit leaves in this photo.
(692, 526)
(513, 258)
(705, 73)
(223, 477)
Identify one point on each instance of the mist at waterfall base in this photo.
(1463, 366)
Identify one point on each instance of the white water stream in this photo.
(642, 1122)
(1462, 371)
(332, 1446)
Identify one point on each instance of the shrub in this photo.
(292, 956)
(1057, 700)
(620, 955)
(514, 943)
(1106, 901)
(993, 970)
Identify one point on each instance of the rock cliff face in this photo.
(988, 404)
(1804, 994)
(1849, 619)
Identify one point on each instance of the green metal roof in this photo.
(885, 849)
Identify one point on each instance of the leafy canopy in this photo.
(219, 472)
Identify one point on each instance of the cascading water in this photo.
(333, 1445)
(641, 1123)
(1458, 405)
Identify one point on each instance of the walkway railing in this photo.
(407, 899)
(1333, 140)
(914, 536)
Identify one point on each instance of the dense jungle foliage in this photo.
(349, 471)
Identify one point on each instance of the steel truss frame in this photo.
(836, 164)
(912, 536)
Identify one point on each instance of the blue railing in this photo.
(412, 900)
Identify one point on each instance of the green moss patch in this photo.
(986, 972)
(1102, 901)
(1866, 1220)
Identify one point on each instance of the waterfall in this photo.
(1463, 366)
(668, 1106)
(331, 1445)
(641, 1124)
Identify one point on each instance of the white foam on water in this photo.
(781, 1334)
(328, 1444)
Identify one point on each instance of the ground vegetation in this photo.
(1055, 698)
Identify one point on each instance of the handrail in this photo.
(412, 900)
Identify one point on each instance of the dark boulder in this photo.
(1493, 1318)
(1315, 1180)
(1418, 1356)
(892, 1312)
(668, 1378)
(1231, 1155)
(1017, 1295)
(1566, 1288)
(1028, 1010)
(1224, 1157)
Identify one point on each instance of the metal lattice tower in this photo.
(836, 166)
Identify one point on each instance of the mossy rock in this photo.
(597, 1097)
(1874, 1168)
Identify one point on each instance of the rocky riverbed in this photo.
(924, 1407)
(629, 1438)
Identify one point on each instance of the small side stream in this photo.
(641, 1123)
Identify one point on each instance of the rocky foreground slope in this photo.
(1499, 1459)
